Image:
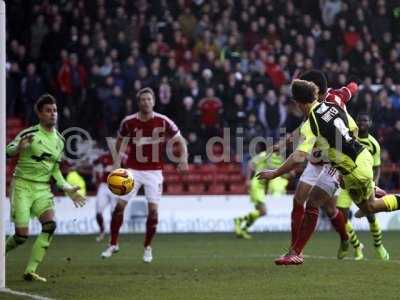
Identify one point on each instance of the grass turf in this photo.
(207, 266)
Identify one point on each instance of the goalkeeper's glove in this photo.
(72, 192)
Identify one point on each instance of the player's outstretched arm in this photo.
(343, 95)
(293, 161)
(76, 197)
(69, 190)
(299, 156)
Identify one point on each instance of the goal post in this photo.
(2, 141)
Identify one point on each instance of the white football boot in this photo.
(147, 255)
(110, 251)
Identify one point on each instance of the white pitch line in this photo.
(30, 296)
(218, 256)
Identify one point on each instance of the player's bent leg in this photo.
(102, 200)
(309, 223)
(41, 245)
(99, 215)
(21, 202)
(338, 222)
(117, 219)
(344, 202)
(295, 257)
(151, 228)
(257, 197)
(100, 223)
(300, 197)
(252, 217)
(19, 238)
(387, 203)
(354, 241)
(376, 232)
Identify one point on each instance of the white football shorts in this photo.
(152, 180)
(104, 198)
(324, 176)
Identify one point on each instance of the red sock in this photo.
(307, 228)
(100, 222)
(339, 223)
(297, 218)
(116, 222)
(151, 228)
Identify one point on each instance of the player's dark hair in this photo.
(43, 100)
(363, 113)
(304, 91)
(143, 91)
(317, 77)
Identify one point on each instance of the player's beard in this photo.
(51, 123)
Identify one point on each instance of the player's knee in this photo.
(371, 218)
(346, 212)
(153, 216)
(20, 239)
(369, 208)
(316, 199)
(49, 227)
(119, 210)
(299, 200)
(330, 212)
(262, 211)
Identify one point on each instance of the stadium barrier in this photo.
(180, 214)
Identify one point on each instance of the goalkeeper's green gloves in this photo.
(76, 197)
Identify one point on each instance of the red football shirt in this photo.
(209, 111)
(147, 140)
(339, 97)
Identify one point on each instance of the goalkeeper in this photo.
(258, 189)
(39, 149)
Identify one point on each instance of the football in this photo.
(120, 182)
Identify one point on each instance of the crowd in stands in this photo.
(213, 64)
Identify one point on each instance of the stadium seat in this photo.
(217, 189)
(237, 189)
(172, 178)
(169, 168)
(221, 177)
(229, 167)
(193, 177)
(174, 189)
(207, 168)
(196, 188)
(236, 178)
(207, 177)
(193, 167)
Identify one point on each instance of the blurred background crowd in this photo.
(213, 64)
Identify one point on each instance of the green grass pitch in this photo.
(207, 266)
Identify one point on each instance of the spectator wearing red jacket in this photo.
(210, 109)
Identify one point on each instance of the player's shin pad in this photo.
(352, 235)
(392, 202)
(13, 241)
(40, 246)
(251, 218)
